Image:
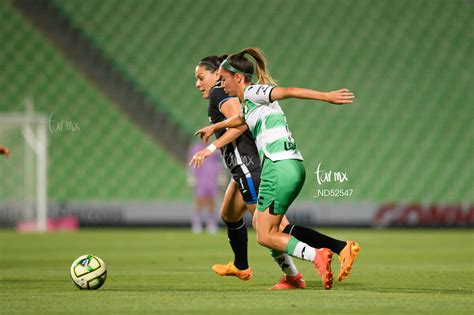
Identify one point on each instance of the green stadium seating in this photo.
(407, 138)
(108, 157)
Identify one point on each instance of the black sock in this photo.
(314, 238)
(237, 233)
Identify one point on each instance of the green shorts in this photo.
(280, 184)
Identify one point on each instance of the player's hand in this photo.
(199, 158)
(339, 97)
(205, 133)
(5, 151)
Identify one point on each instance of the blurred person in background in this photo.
(4, 151)
(241, 158)
(205, 184)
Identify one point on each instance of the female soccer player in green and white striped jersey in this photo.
(283, 172)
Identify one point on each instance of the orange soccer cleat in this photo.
(290, 282)
(231, 270)
(347, 258)
(322, 263)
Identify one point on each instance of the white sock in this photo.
(211, 224)
(300, 250)
(196, 223)
(286, 264)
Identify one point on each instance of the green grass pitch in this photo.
(168, 271)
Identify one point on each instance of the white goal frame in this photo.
(34, 129)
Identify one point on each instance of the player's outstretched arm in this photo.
(230, 135)
(229, 108)
(339, 97)
(233, 122)
(235, 130)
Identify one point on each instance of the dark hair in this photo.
(212, 63)
(242, 64)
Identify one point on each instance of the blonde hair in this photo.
(263, 75)
(239, 63)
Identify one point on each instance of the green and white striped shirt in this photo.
(267, 123)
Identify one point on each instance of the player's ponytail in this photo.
(212, 63)
(263, 75)
(238, 63)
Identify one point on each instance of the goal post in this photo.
(23, 176)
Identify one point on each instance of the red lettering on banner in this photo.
(424, 215)
(410, 214)
(383, 212)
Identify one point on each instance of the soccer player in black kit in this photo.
(241, 158)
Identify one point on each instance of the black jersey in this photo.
(241, 155)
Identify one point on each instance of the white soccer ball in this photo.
(88, 272)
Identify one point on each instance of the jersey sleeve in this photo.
(259, 94)
(217, 97)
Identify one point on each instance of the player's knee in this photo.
(263, 238)
(262, 241)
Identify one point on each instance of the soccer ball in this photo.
(88, 272)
